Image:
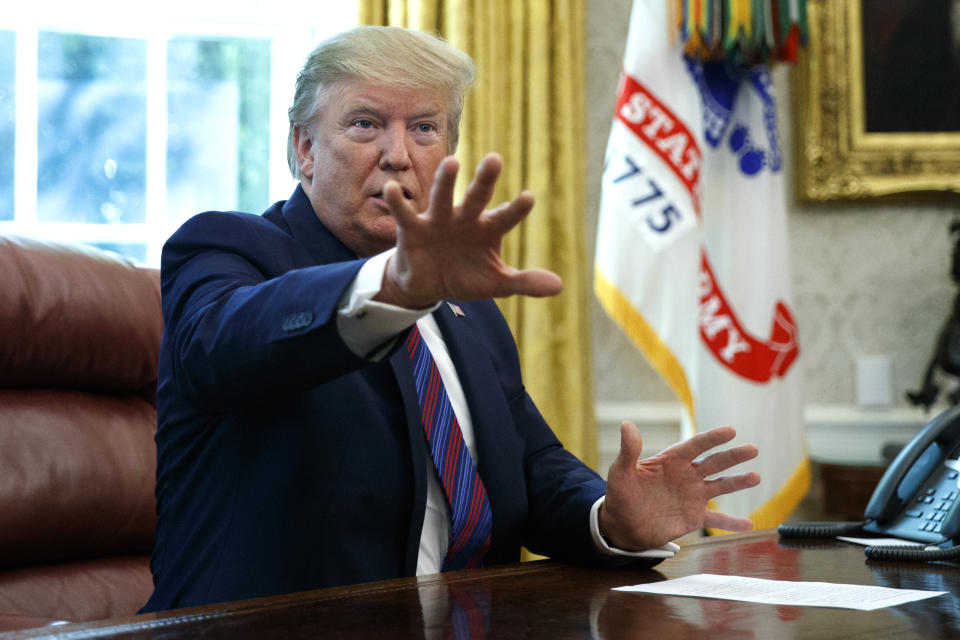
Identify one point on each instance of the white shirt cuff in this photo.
(666, 551)
(369, 328)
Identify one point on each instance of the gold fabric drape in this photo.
(528, 105)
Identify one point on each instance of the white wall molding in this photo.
(836, 433)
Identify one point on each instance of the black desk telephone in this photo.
(918, 498)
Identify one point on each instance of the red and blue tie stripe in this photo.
(470, 517)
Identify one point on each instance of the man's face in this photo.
(363, 136)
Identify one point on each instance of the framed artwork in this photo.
(877, 100)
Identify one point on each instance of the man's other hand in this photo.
(650, 502)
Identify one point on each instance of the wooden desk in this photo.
(551, 600)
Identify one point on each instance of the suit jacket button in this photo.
(296, 321)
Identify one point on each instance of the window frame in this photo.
(281, 22)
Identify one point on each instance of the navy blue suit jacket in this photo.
(286, 462)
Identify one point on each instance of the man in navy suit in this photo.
(291, 446)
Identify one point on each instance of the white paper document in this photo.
(882, 542)
(807, 594)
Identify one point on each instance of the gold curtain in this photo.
(528, 105)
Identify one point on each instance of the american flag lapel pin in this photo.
(457, 311)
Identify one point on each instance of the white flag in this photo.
(692, 254)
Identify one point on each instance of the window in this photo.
(7, 43)
(118, 123)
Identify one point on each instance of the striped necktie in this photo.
(470, 517)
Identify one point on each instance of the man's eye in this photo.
(426, 127)
(363, 124)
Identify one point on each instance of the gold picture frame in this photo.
(837, 158)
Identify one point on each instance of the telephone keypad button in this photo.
(914, 513)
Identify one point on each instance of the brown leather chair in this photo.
(79, 338)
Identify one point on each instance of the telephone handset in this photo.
(918, 498)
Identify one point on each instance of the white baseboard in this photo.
(840, 434)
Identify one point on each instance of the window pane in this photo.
(7, 61)
(91, 138)
(218, 124)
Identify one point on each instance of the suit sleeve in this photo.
(239, 322)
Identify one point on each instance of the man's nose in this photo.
(394, 155)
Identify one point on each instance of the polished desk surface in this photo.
(546, 599)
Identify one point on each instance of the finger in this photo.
(506, 216)
(538, 283)
(480, 190)
(695, 446)
(723, 460)
(730, 484)
(441, 194)
(631, 445)
(400, 209)
(719, 520)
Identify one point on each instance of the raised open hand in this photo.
(452, 251)
(650, 502)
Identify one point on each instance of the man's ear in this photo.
(303, 144)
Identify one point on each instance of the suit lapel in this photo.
(488, 410)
